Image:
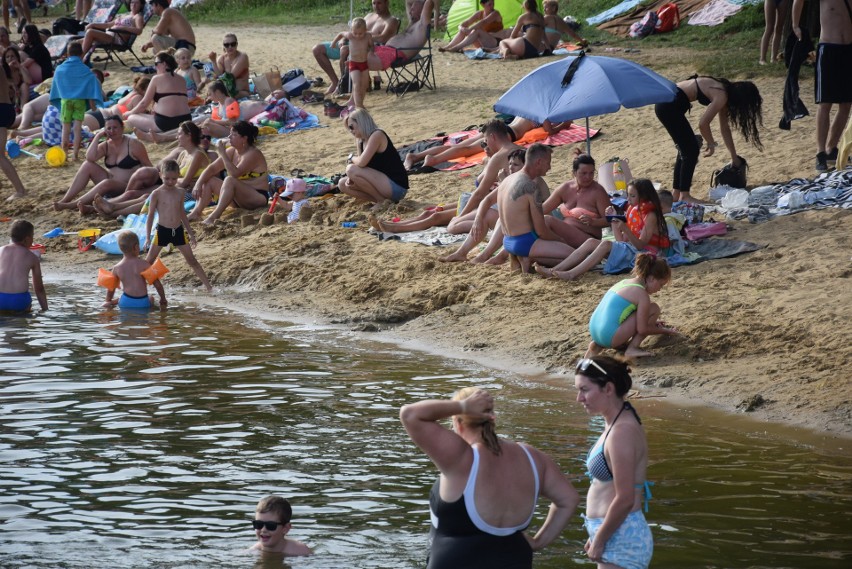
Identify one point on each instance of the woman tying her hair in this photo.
(739, 102)
(167, 91)
(485, 497)
(619, 536)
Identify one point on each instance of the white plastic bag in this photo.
(735, 199)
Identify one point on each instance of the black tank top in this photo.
(390, 164)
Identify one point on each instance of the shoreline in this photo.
(773, 323)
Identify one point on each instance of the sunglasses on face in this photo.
(270, 526)
(586, 363)
(206, 137)
(483, 144)
(228, 44)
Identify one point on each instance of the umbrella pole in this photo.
(588, 139)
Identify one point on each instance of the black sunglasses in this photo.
(270, 526)
(483, 144)
(229, 44)
(586, 363)
(206, 137)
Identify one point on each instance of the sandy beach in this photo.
(766, 331)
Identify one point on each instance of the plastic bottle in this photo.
(348, 224)
(618, 177)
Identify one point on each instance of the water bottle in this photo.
(208, 70)
(348, 224)
(618, 177)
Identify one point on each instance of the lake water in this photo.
(145, 440)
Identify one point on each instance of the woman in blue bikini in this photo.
(619, 536)
(626, 315)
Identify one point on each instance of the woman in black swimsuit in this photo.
(527, 36)
(122, 156)
(167, 91)
(739, 103)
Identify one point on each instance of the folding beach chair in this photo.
(102, 11)
(112, 50)
(412, 74)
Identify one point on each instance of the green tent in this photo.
(461, 10)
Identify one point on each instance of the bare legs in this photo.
(239, 193)
(89, 171)
(186, 251)
(775, 16)
(567, 231)
(828, 133)
(7, 166)
(586, 257)
(365, 184)
(425, 220)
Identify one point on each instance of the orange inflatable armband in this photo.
(107, 280)
(156, 271)
(232, 111)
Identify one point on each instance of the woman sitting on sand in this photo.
(527, 36)
(95, 119)
(246, 184)
(36, 57)
(741, 101)
(483, 28)
(225, 110)
(376, 172)
(555, 27)
(644, 230)
(167, 91)
(122, 156)
(189, 156)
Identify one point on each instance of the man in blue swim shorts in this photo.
(17, 261)
(526, 235)
(381, 25)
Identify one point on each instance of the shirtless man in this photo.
(525, 233)
(582, 202)
(173, 30)
(380, 24)
(833, 74)
(406, 45)
(500, 145)
(234, 62)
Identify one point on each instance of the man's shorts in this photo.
(73, 110)
(329, 52)
(833, 76)
(389, 55)
(169, 41)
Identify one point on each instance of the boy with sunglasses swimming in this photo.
(272, 524)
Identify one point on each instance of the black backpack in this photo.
(730, 175)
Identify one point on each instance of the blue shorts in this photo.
(397, 191)
(621, 259)
(631, 546)
(331, 53)
(134, 302)
(520, 245)
(15, 301)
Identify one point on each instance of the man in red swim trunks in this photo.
(406, 45)
(582, 202)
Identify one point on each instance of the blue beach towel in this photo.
(617, 10)
(74, 80)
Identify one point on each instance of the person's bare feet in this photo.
(208, 222)
(85, 209)
(457, 257)
(566, 275)
(498, 259)
(102, 206)
(592, 350)
(430, 161)
(409, 161)
(374, 222)
(631, 353)
(60, 206)
(687, 197)
(331, 88)
(546, 272)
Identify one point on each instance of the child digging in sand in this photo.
(173, 226)
(360, 47)
(129, 272)
(626, 315)
(271, 524)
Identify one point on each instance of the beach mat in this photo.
(435, 236)
(717, 248)
(620, 26)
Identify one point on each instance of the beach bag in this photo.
(644, 27)
(294, 82)
(668, 18)
(267, 82)
(730, 175)
(607, 170)
(691, 212)
(67, 26)
(230, 83)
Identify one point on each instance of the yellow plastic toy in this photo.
(156, 271)
(107, 280)
(86, 238)
(55, 156)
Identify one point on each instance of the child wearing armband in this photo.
(130, 274)
(173, 226)
(626, 316)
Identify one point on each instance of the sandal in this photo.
(311, 97)
(298, 173)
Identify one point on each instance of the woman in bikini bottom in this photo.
(166, 124)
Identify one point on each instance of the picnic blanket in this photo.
(563, 48)
(620, 26)
(611, 13)
(435, 236)
(574, 133)
(714, 13)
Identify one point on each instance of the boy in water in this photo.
(271, 524)
(16, 264)
(173, 227)
(360, 47)
(129, 271)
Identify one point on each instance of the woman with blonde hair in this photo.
(485, 496)
(376, 172)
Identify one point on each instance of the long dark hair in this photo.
(647, 193)
(616, 371)
(33, 37)
(745, 109)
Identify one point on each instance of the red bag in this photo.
(668, 18)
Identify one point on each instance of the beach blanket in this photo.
(563, 48)
(620, 26)
(436, 236)
(714, 13)
(611, 13)
(718, 248)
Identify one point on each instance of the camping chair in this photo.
(412, 74)
(102, 11)
(112, 50)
